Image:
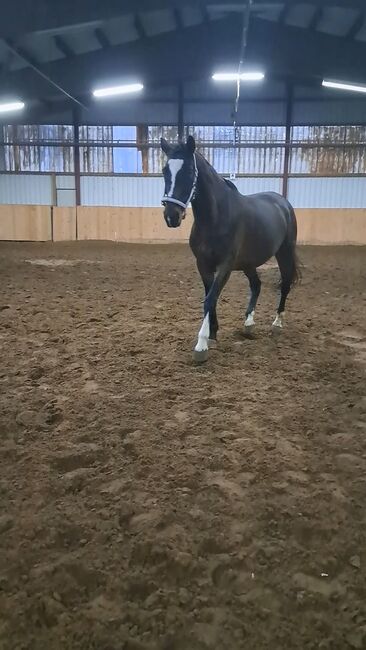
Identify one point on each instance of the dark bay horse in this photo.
(231, 232)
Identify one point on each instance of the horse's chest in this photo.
(207, 249)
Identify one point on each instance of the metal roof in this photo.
(167, 42)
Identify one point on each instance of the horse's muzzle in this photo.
(173, 215)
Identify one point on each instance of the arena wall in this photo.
(25, 222)
(146, 225)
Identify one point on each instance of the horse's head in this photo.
(180, 176)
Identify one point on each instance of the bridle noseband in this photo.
(169, 199)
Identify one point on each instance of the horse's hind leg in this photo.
(255, 288)
(287, 265)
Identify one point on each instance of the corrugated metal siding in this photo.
(147, 192)
(327, 192)
(26, 189)
(303, 192)
(66, 198)
(96, 159)
(344, 158)
(121, 191)
(317, 150)
(65, 182)
(226, 159)
(245, 160)
(37, 157)
(139, 191)
(260, 184)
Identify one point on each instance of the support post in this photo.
(142, 136)
(180, 111)
(286, 162)
(2, 149)
(76, 124)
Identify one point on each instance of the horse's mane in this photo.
(227, 181)
(230, 184)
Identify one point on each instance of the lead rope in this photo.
(243, 45)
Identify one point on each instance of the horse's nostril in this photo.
(173, 216)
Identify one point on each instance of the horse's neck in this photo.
(205, 203)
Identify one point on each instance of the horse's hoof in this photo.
(249, 331)
(277, 330)
(200, 356)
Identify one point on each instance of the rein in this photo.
(170, 199)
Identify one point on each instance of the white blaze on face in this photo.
(174, 165)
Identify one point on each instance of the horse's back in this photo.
(269, 208)
(269, 198)
(267, 220)
(282, 210)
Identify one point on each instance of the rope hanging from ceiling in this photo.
(243, 46)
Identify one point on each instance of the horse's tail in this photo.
(297, 273)
(291, 241)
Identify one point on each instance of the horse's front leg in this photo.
(207, 273)
(201, 350)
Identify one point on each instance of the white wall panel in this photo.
(139, 191)
(65, 182)
(259, 184)
(328, 192)
(128, 191)
(26, 189)
(66, 198)
(134, 191)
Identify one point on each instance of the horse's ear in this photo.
(191, 144)
(165, 146)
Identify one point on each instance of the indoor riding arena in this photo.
(159, 489)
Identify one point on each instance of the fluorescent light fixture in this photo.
(339, 85)
(11, 106)
(113, 91)
(233, 76)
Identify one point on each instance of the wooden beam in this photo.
(25, 16)
(356, 26)
(63, 47)
(21, 52)
(140, 29)
(204, 13)
(7, 63)
(315, 20)
(35, 66)
(178, 19)
(284, 13)
(102, 38)
(283, 50)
